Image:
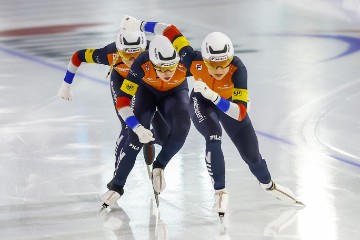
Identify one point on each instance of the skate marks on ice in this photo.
(269, 221)
(116, 219)
(160, 230)
(119, 222)
(284, 220)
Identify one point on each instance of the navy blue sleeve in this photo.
(187, 55)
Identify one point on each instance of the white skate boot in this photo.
(158, 181)
(109, 199)
(221, 202)
(282, 193)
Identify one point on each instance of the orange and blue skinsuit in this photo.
(145, 92)
(230, 111)
(108, 56)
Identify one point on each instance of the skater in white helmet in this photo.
(119, 55)
(220, 96)
(157, 80)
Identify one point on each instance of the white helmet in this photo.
(217, 47)
(133, 41)
(162, 52)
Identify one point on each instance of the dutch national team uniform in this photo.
(108, 56)
(207, 116)
(146, 92)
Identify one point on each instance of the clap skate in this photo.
(158, 182)
(221, 202)
(282, 193)
(109, 199)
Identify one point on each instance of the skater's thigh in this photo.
(204, 117)
(144, 106)
(174, 109)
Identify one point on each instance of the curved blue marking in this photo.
(353, 42)
(47, 64)
(343, 160)
(274, 137)
(356, 164)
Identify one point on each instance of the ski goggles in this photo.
(164, 67)
(215, 64)
(129, 53)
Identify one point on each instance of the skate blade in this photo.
(103, 210)
(156, 198)
(149, 171)
(299, 204)
(222, 227)
(222, 222)
(221, 216)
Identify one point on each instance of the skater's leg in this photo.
(206, 121)
(127, 159)
(143, 106)
(245, 140)
(174, 109)
(132, 146)
(115, 83)
(161, 132)
(160, 129)
(120, 141)
(175, 112)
